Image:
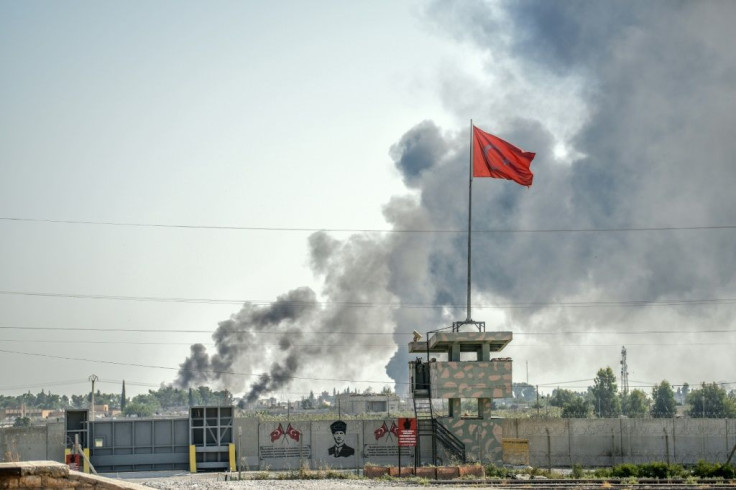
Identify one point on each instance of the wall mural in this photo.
(384, 431)
(286, 443)
(340, 449)
(384, 442)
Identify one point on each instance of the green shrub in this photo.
(577, 471)
(661, 470)
(603, 472)
(493, 471)
(625, 471)
(714, 470)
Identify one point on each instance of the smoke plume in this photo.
(630, 108)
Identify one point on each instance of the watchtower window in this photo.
(469, 408)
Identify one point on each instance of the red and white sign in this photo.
(407, 432)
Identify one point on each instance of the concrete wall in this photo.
(246, 442)
(289, 445)
(482, 438)
(607, 442)
(43, 442)
(552, 442)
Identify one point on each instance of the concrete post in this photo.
(484, 408)
(455, 353)
(454, 408)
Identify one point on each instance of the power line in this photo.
(168, 368)
(366, 230)
(343, 332)
(374, 304)
(155, 330)
(117, 342)
(261, 344)
(46, 384)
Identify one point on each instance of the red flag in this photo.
(394, 429)
(277, 433)
(494, 157)
(293, 433)
(381, 431)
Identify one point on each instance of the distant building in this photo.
(356, 404)
(30, 412)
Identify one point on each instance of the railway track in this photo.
(610, 483)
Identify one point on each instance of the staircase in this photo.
(423, 408)
(429, 426)
(425, 423)
(452, 444)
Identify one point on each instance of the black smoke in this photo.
(640, 94)
(240, 346)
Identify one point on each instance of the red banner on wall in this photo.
(407, 432)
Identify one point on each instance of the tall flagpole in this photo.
(470, 214)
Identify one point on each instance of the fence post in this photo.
(569, 441)
(613, 448)
(674, 440)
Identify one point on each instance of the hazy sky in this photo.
(254, 124)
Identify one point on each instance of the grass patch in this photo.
(493, 471)
(326, 473)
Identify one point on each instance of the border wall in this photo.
(609, 442)
(284, 444)
(41, 442)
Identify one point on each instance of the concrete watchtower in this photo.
(474, 378)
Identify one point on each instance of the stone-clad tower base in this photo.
(473, 382)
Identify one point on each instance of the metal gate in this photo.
(211, 435)
(139, 445)
(201, 442)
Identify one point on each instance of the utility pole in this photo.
(624, 372)
(703, 397)
(93, 378)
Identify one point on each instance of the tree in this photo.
(143, 405)
(560, 398)
(22, 422)
(605, 394)
(206, 395)
(578, 408)
(110, 399)
(524, 391)
(636, 404)
(664, 400)
(80, 401)
(710, 401)
(168, 396)
(309, 403)
(139, 409)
